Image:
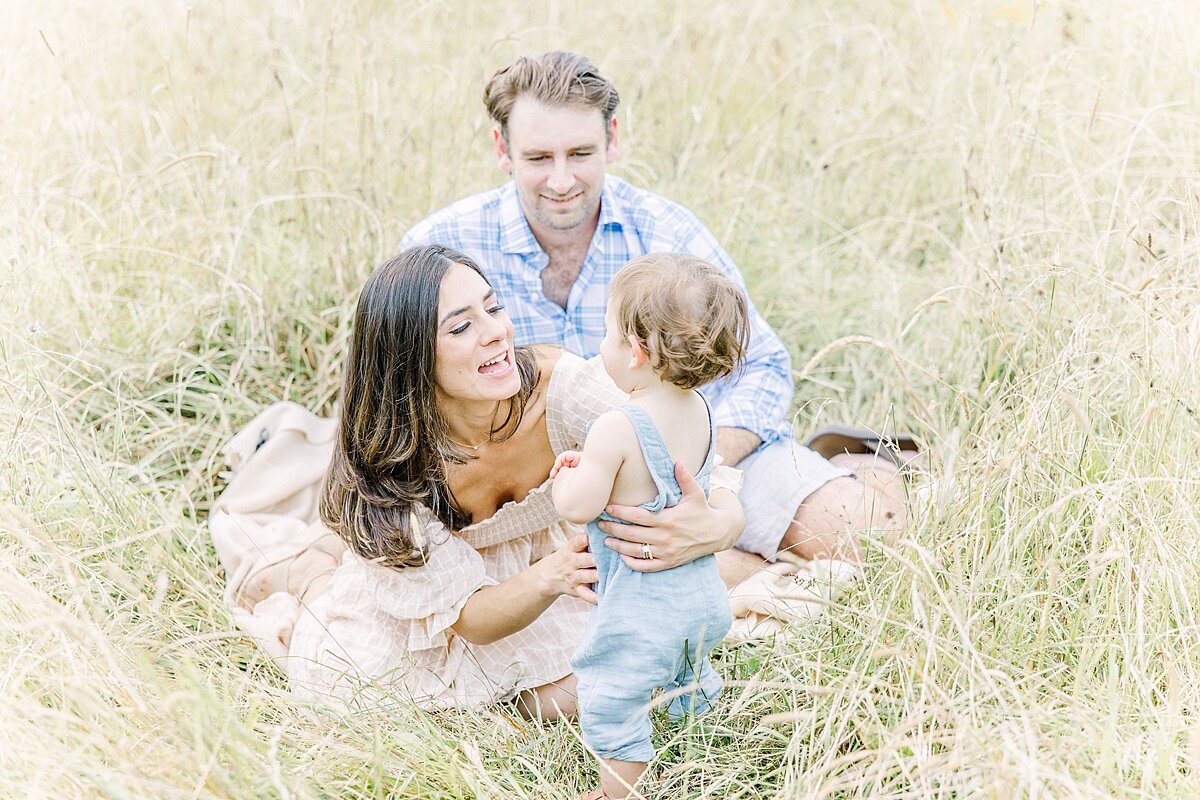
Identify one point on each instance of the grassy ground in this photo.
(978, 219)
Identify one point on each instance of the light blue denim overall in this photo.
(650, 629)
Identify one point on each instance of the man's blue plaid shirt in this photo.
(491, 228)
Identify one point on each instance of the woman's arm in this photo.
(494, 612)
(693, 528)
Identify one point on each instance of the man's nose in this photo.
(561, 179)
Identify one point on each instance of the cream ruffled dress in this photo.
(380, 632)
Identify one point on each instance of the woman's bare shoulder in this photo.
(546, 356)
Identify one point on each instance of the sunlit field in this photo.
(974, 220)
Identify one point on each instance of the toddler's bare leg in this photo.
(618, 779)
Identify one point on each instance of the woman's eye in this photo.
(460, 329)
(496, 309)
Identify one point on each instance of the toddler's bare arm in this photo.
(581, 492)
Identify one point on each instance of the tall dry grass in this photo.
(977, 220)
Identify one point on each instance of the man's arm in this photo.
(734, 444)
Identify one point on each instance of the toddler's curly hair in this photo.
(689, 316)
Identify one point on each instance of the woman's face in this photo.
(474, 359)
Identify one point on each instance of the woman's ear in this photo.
(637, 354)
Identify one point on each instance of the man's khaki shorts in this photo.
(778, 477)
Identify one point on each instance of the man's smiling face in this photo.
(557, 156)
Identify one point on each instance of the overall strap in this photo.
(658, 458)
(706, 467)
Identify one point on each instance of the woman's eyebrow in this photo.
(455, 312)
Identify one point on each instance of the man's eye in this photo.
(537, 158)
(460, 328)
(584, 154)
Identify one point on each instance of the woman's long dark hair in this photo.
(393, 443)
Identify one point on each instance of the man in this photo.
(553, 237)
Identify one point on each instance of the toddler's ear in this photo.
(637, 353)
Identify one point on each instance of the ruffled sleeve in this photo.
(376, 626)
(580, 391)
(419, 602)
(723, 477)
(425, 600)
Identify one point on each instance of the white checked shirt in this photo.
(491, 228)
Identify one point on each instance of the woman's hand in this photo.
(494, 612)
(569, 570)
(676, 535)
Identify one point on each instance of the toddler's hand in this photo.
(568, 459)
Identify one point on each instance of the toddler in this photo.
(674, 322)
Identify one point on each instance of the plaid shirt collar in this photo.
(516, 237)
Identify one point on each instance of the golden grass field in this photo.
(974, 220)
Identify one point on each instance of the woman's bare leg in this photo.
(549, 702)
(305, 575)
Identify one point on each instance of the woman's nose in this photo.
(491, 329)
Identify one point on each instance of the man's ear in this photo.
(637, 354)
(502, 156)
(614, 147)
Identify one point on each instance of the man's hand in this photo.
(734, 444)
(686, 531)
(567, 459)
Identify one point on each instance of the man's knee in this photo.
(854, 504)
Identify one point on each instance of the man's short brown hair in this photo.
(692, 320)
(556, 78)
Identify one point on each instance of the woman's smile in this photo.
(497, 367)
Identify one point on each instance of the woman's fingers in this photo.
(656, 535)
(638, 517)
(632, 547)
(635, 515)
(584, 592)
(631, 554)
(687, 484)
(583, 579)
(640, 564)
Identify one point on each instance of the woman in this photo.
(462, 585)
